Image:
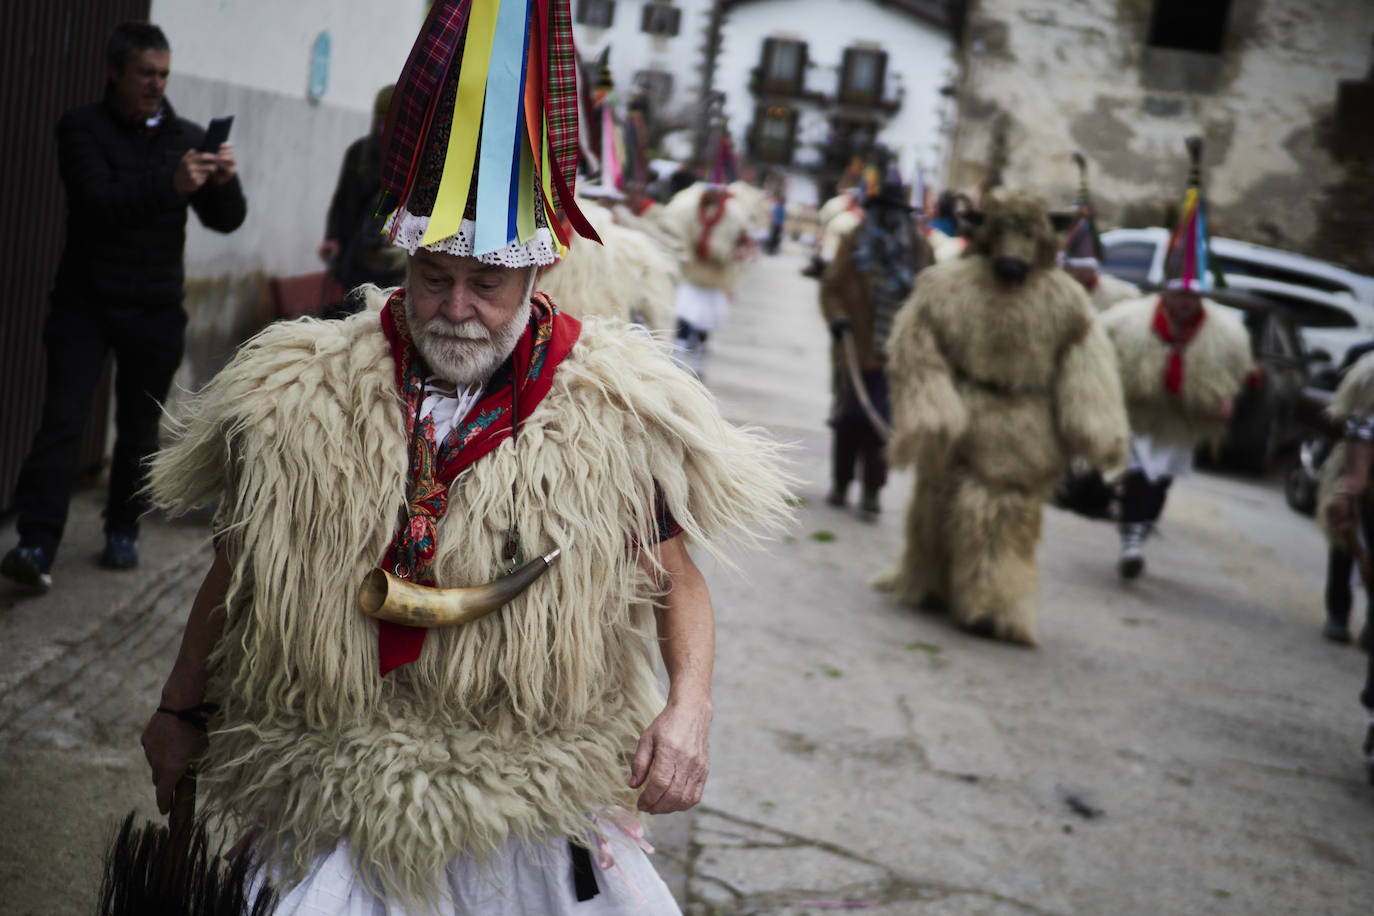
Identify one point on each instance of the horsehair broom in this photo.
(170, 871)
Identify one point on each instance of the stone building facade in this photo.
(1279, 90)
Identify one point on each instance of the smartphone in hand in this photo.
(215, 134)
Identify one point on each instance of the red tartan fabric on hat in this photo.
(416, 94)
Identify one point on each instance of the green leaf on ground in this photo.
(798, 502)
(1221, 894)
(823, 536)
(927, 647)
(834, 672)
(789, 540)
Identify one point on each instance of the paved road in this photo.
(1185, 744)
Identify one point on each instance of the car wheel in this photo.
(1299, 490)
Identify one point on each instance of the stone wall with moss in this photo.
(1040, 80)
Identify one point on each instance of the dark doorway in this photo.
(1190, 25)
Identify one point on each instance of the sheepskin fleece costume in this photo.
(1215, 364)
(1354, 398)
(1110, 290)
(993, 393)
(516, 725)
(628, 276)
(721, 269)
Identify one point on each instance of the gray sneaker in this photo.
(1131, 563)
(29, 566)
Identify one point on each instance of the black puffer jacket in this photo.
(126, 225)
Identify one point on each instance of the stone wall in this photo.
(1041, 80)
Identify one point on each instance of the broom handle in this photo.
(181, 821)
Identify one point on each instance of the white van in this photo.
(1137, 255)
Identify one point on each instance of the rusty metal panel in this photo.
(52, 57)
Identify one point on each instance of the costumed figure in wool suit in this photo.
(452, 539)
(1343, 488)
(1082, 256)
(999, 378)
(712, 222)
(1183, 361)
(837, 218)
(628, 276)
(872, 274)
(1345, 511)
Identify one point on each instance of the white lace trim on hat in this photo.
(539, 250)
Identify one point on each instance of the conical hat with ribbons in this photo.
(1082, 244)
(480, 147)
(1189, 265)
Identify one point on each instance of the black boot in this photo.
(838, 495)
(1336, 630)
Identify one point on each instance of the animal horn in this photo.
(387, 597)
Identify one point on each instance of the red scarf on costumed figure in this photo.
(538, 352)
(1177, 339)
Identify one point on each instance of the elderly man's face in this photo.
(465, 316)
(143, 81)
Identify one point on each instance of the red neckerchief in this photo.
(1094, 283)
(1177, 339)
(710, 210)
(549, 338)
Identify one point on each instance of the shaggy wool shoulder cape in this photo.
(1215, 364)
(1010, 384)
(516, 725)
(1354, 398)
(1111, 290)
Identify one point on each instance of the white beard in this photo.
(465, 352)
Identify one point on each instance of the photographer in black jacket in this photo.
(131, 168)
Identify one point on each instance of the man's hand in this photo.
(225, 165)
(837, 328)
(328, 250)
(170, 746)
(672, 759)
(193, 171)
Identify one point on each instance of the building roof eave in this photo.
(946, 14)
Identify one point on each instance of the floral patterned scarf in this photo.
(520, 383)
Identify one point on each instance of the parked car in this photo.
(1137, 255)
(1264, 422)
(1329, 323)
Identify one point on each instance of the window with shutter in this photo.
(660, 19)
(596, 13)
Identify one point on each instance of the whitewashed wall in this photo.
(251, 59)
(265, 44)
(633, 50)
(920, 56)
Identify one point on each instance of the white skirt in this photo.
(1160, 459)
(520, 881)
(703, 307)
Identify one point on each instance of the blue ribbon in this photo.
(500, 117)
